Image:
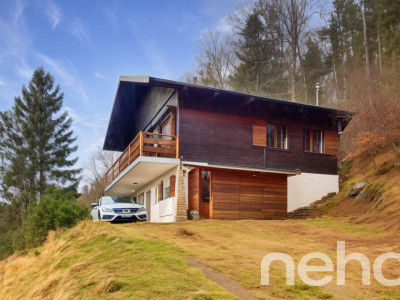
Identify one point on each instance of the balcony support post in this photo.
(141, 143)
(177, 147)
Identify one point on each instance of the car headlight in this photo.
(141, 209)
(107, 209)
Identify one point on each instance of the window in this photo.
(141, 199)
(166, 126)
(205, 186)
(277, 136)
(115, 199)
(166, 189)
(313, 141)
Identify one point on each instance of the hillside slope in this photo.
(95, 260)
(369, 193)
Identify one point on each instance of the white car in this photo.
(117, 208)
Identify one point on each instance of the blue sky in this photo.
(86, 45)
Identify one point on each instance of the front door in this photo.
(205, 194)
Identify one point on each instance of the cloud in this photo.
(67, 74)
(78, 30)
(2, 82)
(19, 10)
(14, 39)
(73, 114)
(98, 75)
(23, 70)
(223, 25)
(54, 14)
(186, 22)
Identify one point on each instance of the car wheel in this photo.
(99, 217)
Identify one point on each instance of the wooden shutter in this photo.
(172, 186)
(260, 134)
(331, 143)
(160, 191)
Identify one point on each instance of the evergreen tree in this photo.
(255, 53)
(389, 25)
(315, 68)
(36, 143)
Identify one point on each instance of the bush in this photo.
(57, 209)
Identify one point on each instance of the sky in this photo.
(86, 45)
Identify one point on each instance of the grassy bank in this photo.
(95, 260)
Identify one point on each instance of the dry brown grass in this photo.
(236, 248)
(96, 260)
(384, 172)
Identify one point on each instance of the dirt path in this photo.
(230, 285)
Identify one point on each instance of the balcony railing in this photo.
(144, 144)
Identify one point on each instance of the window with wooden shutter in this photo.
(270, 135)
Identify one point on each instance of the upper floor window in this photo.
(313, 140)
(270, 135)
(277, 136)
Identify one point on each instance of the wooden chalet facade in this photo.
(188, 150)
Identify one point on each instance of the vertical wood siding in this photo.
(228, 140)
(239, 195)
(260, 134)
(172, 186)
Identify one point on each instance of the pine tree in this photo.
(258, 71)
(315, 68)
(37, 142)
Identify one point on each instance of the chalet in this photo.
(191, 150)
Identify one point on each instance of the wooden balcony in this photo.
(144, 144)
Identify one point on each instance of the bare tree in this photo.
(99, 163)
(288, 20)
(215, 59)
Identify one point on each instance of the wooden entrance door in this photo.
(205, 194)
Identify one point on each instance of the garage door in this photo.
(239, 195)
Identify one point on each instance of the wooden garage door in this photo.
(238, 195)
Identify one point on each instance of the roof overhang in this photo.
(139, 174)
(239, 168)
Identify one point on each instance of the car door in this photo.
(95, 211)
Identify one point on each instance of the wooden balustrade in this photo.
(144, 144)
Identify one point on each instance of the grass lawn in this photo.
(149, 261)
(236, 249)
(94, 260)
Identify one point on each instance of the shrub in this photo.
(57, 209)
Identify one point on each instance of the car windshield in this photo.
(116, 199)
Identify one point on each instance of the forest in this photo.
(284, 49)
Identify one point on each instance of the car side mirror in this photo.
(94, 204)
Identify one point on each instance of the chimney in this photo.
(194, 79)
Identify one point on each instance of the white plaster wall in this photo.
(165, 210)
(306, 188)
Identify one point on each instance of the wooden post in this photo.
(141, 143)
(177, 147)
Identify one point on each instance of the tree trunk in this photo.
(367, 69)
(336, 82)
(379, 51)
